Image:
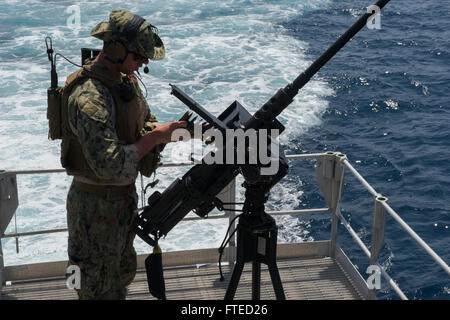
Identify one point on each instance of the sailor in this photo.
(109, 136)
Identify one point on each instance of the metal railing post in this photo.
(337, 183)
(9, 201)
(2, 266)
(378, 232)
(378, 229)
(228, 197)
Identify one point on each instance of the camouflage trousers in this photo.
(100, 243)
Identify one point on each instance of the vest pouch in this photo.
(65, 145)
(150, 162)
(72, 158)
(54, 113)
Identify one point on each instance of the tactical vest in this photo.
(130, 116)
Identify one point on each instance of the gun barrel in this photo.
(272, 108)
(303, 78)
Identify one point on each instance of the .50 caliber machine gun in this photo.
(197, 190)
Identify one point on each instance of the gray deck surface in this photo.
(302, 278)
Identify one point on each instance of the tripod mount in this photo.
(256, 242)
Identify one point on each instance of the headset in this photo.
(115, 50)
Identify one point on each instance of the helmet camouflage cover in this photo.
(144, 42)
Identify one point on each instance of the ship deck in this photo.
(303, 278)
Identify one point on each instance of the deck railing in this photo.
(333, 167)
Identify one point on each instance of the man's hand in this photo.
(161, 134)
(164, 131)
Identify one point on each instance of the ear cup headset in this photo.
(115, 50)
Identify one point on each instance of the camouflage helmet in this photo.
(136, 34)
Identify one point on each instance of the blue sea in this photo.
(383, 100)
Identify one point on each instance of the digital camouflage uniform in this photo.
(101, 227)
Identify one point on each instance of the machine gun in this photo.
(197, 190)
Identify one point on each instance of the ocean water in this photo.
(382, 100)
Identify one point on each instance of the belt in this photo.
(104, 190)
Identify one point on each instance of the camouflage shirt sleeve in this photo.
(92, 118)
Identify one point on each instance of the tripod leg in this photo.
(232, 286)
(276, 281)
(256, 280)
